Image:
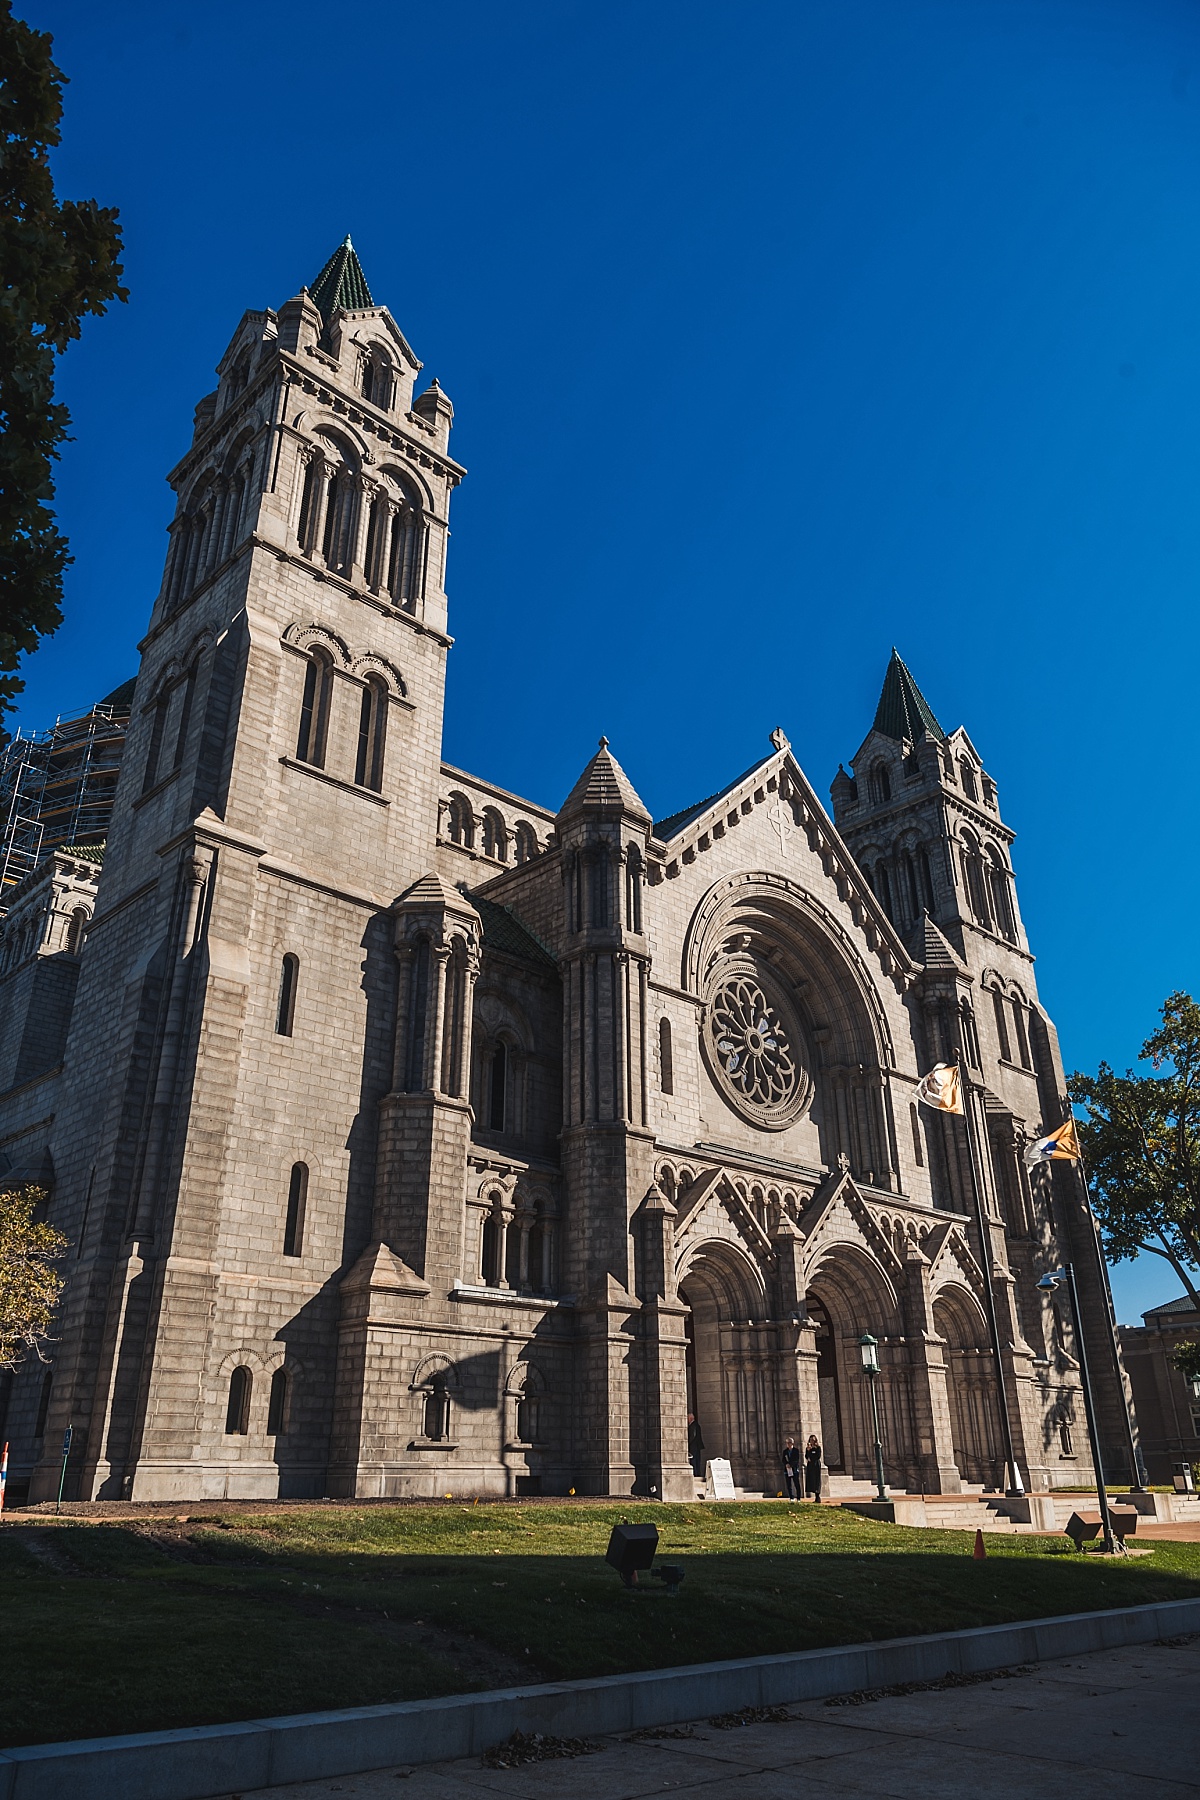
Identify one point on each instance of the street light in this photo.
(869, 1347)
(1048, 1283)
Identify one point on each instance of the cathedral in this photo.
(411, 1139)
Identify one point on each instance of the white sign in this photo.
(719, 1477)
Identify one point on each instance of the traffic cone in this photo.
(979, 1552)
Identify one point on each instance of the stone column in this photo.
(930, 1390)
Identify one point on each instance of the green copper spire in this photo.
(903, 711)
(341, 284)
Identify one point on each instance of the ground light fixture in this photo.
(631, 1551)
(1057, 1278)
(869, 1347)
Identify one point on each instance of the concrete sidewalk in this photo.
(1115, 1725)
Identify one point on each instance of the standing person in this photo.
(791, 1468)
(696, 1447)
(812, 1468)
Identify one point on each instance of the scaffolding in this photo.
(57, 786)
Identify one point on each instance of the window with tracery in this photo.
(752, 1045)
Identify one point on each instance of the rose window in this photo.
(753, 1052)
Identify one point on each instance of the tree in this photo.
(1186, 1358)
(59, 262)
(29, 1284)
(1141, 1144)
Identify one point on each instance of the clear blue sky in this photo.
(777, 333)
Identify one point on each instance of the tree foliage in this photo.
(1141, 1144)
(59, 261)
(29, 1283)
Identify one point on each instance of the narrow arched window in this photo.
(881, 784)
(918, 1146)
(883, 887)
(76, 930)
(633, 889)
(367, 383)
(1001, 897)
(314, 709)
(489, 1251)
(666, 1059)
(185, 715)
(1001, 1025)
(293, 1230)
(527, 1419)
(277, 1404)
(967, 775)
(372, 735)
(598, 887)
(376, 525)
(418, 1011)
(285, 1011)
(498, 1087)
(237, 1412)
(911, 887)
(310, 504)
(460, 822)
(158, 727)
(970, 1037)
(524, 843)
(1022, 1035)
(538, 1247)
(926, 874)
(495, 837)
(437, 1408)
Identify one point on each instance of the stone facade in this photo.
(416, 1140)
(1167, 1409)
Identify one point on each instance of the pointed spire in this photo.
(605, 786)
(341, 283)
(903, 711)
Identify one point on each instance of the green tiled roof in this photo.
(903, 711)
(341, 284)
(85, 852)
(502, 930)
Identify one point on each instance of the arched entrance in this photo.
(971, 1386)
(730, 1365)
(849, 1294)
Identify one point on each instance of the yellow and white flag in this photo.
(1057, 1146)
(941, 1088)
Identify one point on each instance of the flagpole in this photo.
(985, 1248)
(1137, 1485)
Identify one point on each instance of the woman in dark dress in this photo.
(812, 1469)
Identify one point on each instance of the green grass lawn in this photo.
(239, 1616)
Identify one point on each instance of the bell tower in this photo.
(279, 790)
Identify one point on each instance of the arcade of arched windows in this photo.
(372, 529)
(988, 883)
(488, 833)
(327, 672)
(766, 1203)
(603, 884)
(512, 1223)
(1013, 1021)
(210, 524)
(902, 883)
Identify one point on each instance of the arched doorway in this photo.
(850, 1294)
(832, 1436)
(730, 1365)
(971, 1386)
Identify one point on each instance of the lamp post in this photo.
(1048, 1283)
(869, 1347)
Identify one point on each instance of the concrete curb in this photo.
(218, 1759)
